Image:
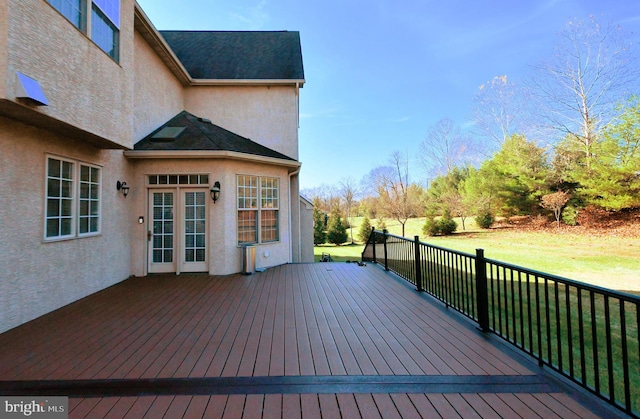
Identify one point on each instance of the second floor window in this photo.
(102, 24)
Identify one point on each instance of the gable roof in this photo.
(187, 132)
(239, 55)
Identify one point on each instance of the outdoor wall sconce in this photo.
(215, 191)
(141, 220)
(123, 187)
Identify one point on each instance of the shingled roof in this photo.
(188, 132)
(224, 55)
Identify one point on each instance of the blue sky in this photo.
(380, 72)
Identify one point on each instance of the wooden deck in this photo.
(310, 340)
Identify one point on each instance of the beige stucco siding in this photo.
(38, 276)
(224, 254)
(83, 85)
(4, 17)
(267, 115)
(158, 95)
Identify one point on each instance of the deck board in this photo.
(308, 320)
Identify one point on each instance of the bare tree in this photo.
(399, 199)
(501, 109)
(349, 191)
(443, 148)
(591, 70)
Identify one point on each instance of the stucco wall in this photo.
(37, 276)
(158, 95)
(267, 115)
(4, 17)
(224, 253)
(306, 231)
(83, 85)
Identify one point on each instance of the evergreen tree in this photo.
(319, 235)
(365, 230)
(336, 231)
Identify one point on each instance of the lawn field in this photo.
(605, 260)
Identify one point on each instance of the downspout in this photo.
(290, 219)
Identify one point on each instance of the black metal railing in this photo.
(586, 333)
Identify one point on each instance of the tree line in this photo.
(566, 139)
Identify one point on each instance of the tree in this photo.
(399, 199)
(592, 68)
(336, 231)
(365, 230)
(319, 235)
(612, 181)
(443, 148)
(446, 192)
(514, 178)
(349, 190)
(501, 109)
(555, 202)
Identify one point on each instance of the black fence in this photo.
(586, 333)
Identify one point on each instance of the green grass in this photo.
(607, 261)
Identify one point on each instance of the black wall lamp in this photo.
(215, 191)
(123, 187)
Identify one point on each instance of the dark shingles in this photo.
(223, 55)
(201, 135)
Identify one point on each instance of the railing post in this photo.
(373, 234)
(482, 293)
(386, 258)
(416, 241)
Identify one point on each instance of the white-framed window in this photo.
(99, 19)
(258, 209)
(73, 191)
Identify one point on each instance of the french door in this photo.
(178, 225)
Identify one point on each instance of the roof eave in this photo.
(143, 25)
(210, 154)
(248, 82)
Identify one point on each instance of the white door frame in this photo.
(178, 231)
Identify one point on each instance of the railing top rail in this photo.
(427, 244)
(566, 281)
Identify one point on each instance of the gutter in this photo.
(210, 154)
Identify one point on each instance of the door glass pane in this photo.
(194, 226)
(162, 251)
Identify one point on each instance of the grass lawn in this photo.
(608, 261)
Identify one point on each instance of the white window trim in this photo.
(259, 210)
(75, 196)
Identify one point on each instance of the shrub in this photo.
(570, 215)
(447, 225)
(485, 219)
(444, 226)
(430, 227)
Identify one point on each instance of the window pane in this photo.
(269, 226)
(65, 226)
(247, 227)
(104, 33)
(54, 168)
(72, 10)
(53, 227)
(53, 188)
(111, 9)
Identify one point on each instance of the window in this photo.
(73, 199)
(103, 21)
(258, 205)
